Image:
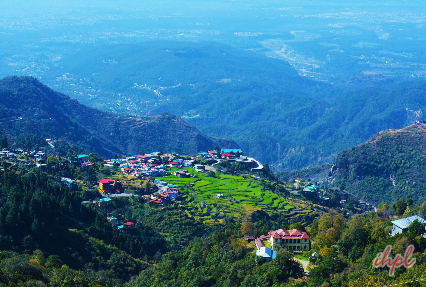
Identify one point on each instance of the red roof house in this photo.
(141, 156)
(228, 154)
(106, 180)
(294, 239)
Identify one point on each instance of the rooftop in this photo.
(229, 150)
(266, 252)
(405, 222)
(259, 243)
(288, 234)
(106, 180)
(227, 154)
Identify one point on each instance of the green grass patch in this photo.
(301, 257)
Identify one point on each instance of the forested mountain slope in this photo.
(37, 212)
(28, 107)
(389, 166)
(296, 131)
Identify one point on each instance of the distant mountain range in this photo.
(29, 108)
(274, 114)
(389, 166)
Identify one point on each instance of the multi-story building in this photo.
(293, 239)
(109, 185)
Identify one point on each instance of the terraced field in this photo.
(240, 196)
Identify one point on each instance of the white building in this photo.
(401, 225)
(267, 253)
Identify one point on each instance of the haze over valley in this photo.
(265, 74)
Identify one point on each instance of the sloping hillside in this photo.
(31, 108)
(389, 166)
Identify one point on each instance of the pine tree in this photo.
(4, 143)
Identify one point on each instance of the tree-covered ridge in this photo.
(37, 270)
(28, 107)
(38, 212)
(389, 166)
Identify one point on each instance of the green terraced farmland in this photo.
(240, 196)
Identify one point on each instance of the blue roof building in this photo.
(401, 225)
(267, 253)
(231, 150)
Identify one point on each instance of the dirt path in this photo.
(303, 262)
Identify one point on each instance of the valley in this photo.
(212, 143)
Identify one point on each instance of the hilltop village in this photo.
(154, 167)
(150, 166)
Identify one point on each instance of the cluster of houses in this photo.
(224, 153)
(35, 158)
(146, 165)
(80, 159)
(119, 224)
(309, 189)
(156, 164)
(38, 158)
(314, 192)
(166, 192)
(293, 239)
(232, 155)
